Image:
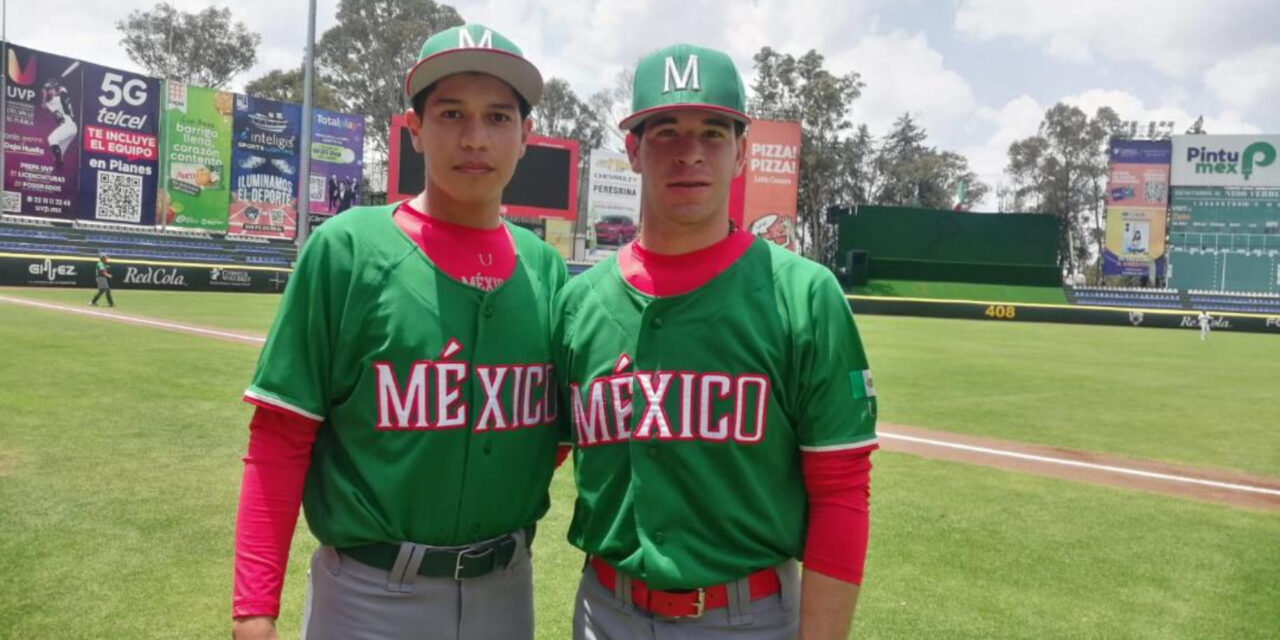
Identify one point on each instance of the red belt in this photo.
(685, 604)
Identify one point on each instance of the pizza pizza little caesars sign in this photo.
(1226, 161)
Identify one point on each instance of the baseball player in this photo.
(1204, 319)
(719, 401)
(403, 393)
(57, 100)
(102, 273)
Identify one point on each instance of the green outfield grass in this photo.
(119, 466)
(235, 311)
(1145, 393)
(962, 291)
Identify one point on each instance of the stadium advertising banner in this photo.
(337, 163)
(1137, 198)
(770, 182)
(62, 271)
(264, 168)
(121, 146)
(1135, 239)
(197, 152)
(614, 192)
(41, 140)
(1226, 161)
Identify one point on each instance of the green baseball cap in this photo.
(683, 76)
(474, 48)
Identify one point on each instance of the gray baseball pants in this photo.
(348, 600)
(603, 615)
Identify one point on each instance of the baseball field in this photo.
(120, 449)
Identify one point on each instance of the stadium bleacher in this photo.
(1189, 300)
(1241, 302)
(21, 234)
(1132, 298)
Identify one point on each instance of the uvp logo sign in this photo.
(1226, 161)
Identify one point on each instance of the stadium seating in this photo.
(1264, 303)
(20, 234)
(1126, 297)
(1192, 300)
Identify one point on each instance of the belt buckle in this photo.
(700, 606)
(457, 567)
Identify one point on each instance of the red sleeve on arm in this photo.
(275, 470)
(837, 483)
(562, 453)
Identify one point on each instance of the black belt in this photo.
(458, 563)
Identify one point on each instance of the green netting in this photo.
(905, 233)
(928, 244)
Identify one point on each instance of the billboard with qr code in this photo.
(121, 166)
(43, 122)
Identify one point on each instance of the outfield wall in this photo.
(18, 270)
(1073, 314)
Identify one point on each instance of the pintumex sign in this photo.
(1226, 161)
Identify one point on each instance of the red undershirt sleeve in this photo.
(275, 470)
(837, 483)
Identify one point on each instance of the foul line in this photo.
(134, 320)
(1084, 465)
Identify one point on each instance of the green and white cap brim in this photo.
(640, 116)
(686, 77)
(450, 52)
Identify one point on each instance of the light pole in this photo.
(304, 164)
(4, 101)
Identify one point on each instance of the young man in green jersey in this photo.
(718, 398)
(405, 393)
(102, 275)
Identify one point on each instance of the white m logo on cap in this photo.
(465, 41)
(681, 81)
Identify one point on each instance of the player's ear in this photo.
(414, 122)
(633, 151)
(526, 129)
(740, 159)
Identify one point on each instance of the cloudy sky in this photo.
(977, 74)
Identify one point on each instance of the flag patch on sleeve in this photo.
(860, 382)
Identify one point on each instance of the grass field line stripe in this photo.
(1084, 465)
(134, 320)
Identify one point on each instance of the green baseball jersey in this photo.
(688, 413)
(101, 269)
(437, 398)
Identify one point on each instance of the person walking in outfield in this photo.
(1204, 319)
(405, 395)
(720, 404)
(102, 273)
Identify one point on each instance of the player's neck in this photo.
(438, 205)
(658, 236)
